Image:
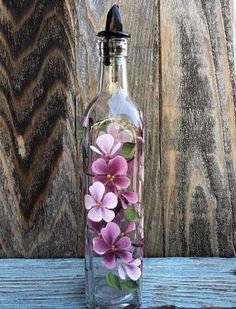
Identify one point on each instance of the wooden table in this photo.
(59, 283)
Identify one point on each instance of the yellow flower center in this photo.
(99, 234)
(122, 234)
(110, 177)
(99, 204)
(113, 248)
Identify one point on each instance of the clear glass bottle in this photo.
(112, 182)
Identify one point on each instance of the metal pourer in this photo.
(113, 39)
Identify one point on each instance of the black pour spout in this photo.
(114, 24)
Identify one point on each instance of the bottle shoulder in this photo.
(117, 105)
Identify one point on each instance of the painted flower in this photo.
(106, 146)
(112, 172)
(131, 269)
(112, 246)
(128, 197)
(100, 204)
(122, 136)
(119, 214)
(130, 227)
(95, 226)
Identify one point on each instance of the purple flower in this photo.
(95, 226)
(123, 136)
(112, 246)
(106, 146)
(112, 172)
(128, 197)
(100, 205)
(130, 227)
(131, 269)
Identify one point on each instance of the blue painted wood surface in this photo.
(59, 283)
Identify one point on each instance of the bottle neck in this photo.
(113, 74)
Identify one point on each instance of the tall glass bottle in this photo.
(113, 180)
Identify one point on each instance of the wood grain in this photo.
(198, 148)
(175, 283)
(38, 156)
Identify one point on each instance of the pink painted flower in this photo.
(128, 197)
(130, 227)
(100, 205)
(112, 246)
(131, 269)
(95, 226)
(119, 135)
(112, 172)
(106, 146)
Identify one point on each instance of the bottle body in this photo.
(113, 166)
(112, 183)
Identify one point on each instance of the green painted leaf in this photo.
(128, 285)
(113, 281)
(131, 214)
(128, 150)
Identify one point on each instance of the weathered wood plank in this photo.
(59, 283)
(141, 21)
(198, 148)
(38, 157)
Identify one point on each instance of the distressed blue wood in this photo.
(59, 283)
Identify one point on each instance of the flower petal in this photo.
(95, 150)
(97, 190)
(116, 148)
(136, 262)
(110, 200)
(89, 201)
(122, 181)
(95, 214)
(131, 197)
(100, 167)
(126, 136)
(121, 272)
(123, 244)
(110, 187)
(95, 226)
(100, 246)
(117, 166)
(131, 226)
(113, 129)
(110, 232)
(126, 257)
(124, 202)
(109, 260)
(107, 215)
(119, 216)
(102, 179)
(133, 272)
(105, 142)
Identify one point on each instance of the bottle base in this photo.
(110, 298)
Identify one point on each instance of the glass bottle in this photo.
(113, 180)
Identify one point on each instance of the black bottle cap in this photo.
(114, 24)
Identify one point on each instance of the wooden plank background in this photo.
(176, 283)
(181, 73)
